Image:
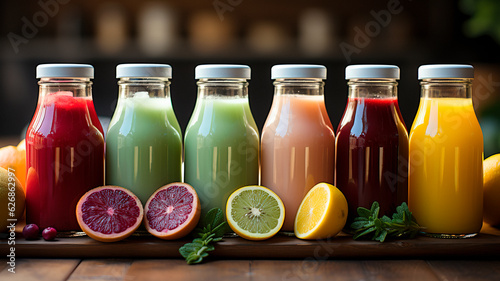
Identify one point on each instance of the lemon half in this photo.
(322, 213)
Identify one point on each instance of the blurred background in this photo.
(259, 33)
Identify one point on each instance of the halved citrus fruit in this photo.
(322, 213)
(255, 212)
(109, 213)
(173, 211)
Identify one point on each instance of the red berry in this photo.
(31, 231)
(49, 233)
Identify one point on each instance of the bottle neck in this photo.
(153, 87)
(446, 88)
(306, 87)
(222, 88)
(373, 88)
(78, 87)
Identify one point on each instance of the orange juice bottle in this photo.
(298, 141)
(446, 155)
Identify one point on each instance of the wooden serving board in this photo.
(485, 245)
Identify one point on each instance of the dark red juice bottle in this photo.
(372, 142)
(64, 147)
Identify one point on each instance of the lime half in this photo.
(255, 212)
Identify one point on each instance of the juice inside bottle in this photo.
(446, 147)
(446, 155)
(144, 146)
(298, 142)
(372, 153)
(64, 159)
(144, 141)
(226, 144)
(222, 139)
(93, 116)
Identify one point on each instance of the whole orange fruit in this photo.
(15, 158)
(491, 187)
(12, 199)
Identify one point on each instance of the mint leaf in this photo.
(210, 230)
(375, 209)
(358, 224)
(213, 218)
(221, 229)
(368, 224)
(381, 236)
(189, 248)
(366, 231)
(364, 213)
(386, 219)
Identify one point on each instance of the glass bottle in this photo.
(446, 154)
(222, 139)
(144, 140)
(64, 147)
(372, 142)
(298, 141)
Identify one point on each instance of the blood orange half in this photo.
(173, 211)
(109, 213)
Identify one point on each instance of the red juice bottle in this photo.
(93, 116)
(64, 147)
(372, 142)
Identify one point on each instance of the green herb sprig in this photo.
(211, 230)
(368, 224)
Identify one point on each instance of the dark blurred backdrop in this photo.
(259, 33)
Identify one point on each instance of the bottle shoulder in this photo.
(221, 115)
(372, 120)
(449, 120)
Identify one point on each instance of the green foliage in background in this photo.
(489, 119)
(485, 18)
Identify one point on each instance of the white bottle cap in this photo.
(64, 70)
(431, 71)
(367, 71)
(283, 71)
(207, 71)
(143, 70)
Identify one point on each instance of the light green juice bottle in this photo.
(144, 140)
(222, 140)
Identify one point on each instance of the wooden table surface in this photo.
(313, 267)
(306, 269)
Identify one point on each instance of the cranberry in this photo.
(49, 233)
(31, 231)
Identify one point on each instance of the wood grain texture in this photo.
(3, 264)
(466, 270)
(41, 270)
(286, 270)
(110, 270)
(345, 270)
(306, 269)
(408, 270)
(276, 247)
(178, 270)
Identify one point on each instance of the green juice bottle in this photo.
(222, 140)
(144, 140)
